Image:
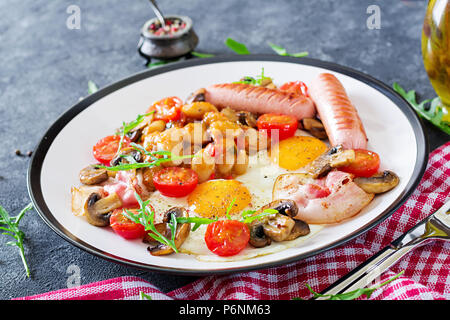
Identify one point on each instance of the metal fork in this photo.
(434, 227)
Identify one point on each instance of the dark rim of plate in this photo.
(34, 170)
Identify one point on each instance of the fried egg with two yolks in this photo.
(249, 191)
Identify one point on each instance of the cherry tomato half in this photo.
(366, 164)
(167, 109)
(175, 182)
(298, 87)
(124, 227)
(227, 237)
(286, 125)
(106, 148)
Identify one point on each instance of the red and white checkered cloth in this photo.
(426, 276)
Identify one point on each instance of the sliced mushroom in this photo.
(148, 239)
(333, 158)
(135, 135)
(197, 96)
(315, 128)
(379, 183)
(98, 209)
(127, 152)
(278, 227)
(283, 206)
(258, 238)
(246, 118)
(79, 197)
(181, 234)
(300, 229)
(93, 175)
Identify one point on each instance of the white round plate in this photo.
(393, 129)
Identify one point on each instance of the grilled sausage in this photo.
(338, 114)
(255, 99)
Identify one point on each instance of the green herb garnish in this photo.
(145, 216)
(92, 87)
(201, 55)
(283, 52)
(11, 228)
(128, 127)
(236, 46)
(143, 296)
(431, 109)
(249, 216)
(137, 165)
(352, 294)
(260, 79)
(151, 154)
(154, 65)
(196, 221)
(227, 214)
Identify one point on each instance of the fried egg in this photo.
(249, 191)
(296, 152)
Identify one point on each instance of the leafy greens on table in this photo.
(430, 109)
(10, 227)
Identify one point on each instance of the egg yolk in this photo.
(212, 199)
(296, 152)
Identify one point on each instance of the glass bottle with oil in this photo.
(436, 50)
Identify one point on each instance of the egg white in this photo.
(259, 180)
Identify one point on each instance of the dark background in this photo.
(45, 68)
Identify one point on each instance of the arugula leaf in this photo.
(127, 127)
(202, 55)
(430, 109)
(11, 229)
(351, 295)
(145, 216)
(236, 46)
(299, 54)
(144, 296)
(248, 80)
(255, 81)
(154, 65)
(138, 165)
(92, 87)
(173, 230)
(283, 52)
(196, 221)
(129, 158)
(227, 214)
(279, 50)
(249, 216)
(152, 154)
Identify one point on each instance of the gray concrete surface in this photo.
(45, 67)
